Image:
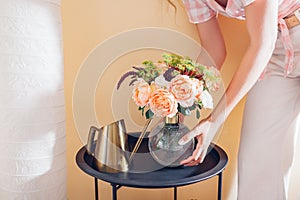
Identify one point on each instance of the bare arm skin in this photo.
(261, 21)
(212, 40)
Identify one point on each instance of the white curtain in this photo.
(32, 110)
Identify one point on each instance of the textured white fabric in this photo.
(32, 110)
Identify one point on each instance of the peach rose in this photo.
(141, 93)
(162, 103)
(199, 87)
(184, 90)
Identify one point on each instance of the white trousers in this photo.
(270, 126)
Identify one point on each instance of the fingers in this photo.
(199, 147)
(198, 155)
(191, 161)
(202, 156)
(194, 157)
(187, 137)
(188, 160)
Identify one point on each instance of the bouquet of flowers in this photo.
(174, 84)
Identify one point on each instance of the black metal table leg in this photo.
(175, 193)
(114, 194)
(220, 186)
(115, 190)
(96, 188)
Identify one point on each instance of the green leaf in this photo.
(187, 112)
(193, 107)
(183, 110)
(149, 114)
(198, 114)
(180, 109)
(199, 105)
(142, 109)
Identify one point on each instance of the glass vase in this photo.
(163, 142)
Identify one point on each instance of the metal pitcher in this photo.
(111, 147)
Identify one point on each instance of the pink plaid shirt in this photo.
(202, 10)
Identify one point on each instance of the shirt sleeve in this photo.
(198, 11)
(247, 2)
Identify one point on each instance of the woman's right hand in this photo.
(204, 133)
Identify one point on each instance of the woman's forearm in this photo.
(262, 28)
(249, 71)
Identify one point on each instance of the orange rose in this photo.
(184, 90)
(141, 93)
(162, 103)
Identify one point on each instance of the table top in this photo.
(146, 173)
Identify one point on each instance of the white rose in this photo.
(207, 100)
(161, 81)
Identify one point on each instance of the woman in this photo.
(270, 74)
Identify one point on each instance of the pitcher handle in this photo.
(90, 143)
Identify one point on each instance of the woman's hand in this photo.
(204, 134)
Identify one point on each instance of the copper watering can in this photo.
(110, 150)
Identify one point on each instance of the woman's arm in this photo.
(212, 41)
(261, 20)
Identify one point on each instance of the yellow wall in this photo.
(85, 25)
(88, 23)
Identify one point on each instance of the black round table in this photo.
(162, 177)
